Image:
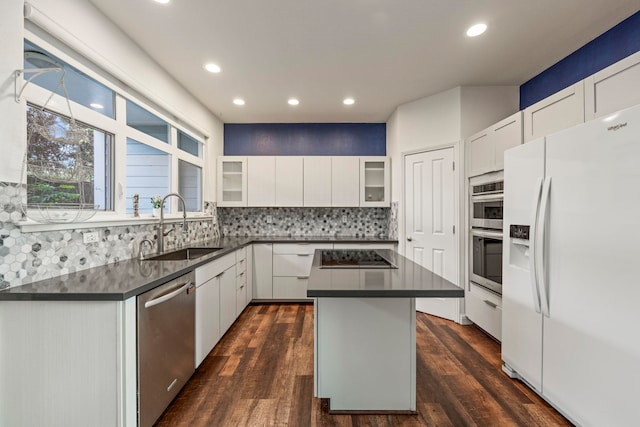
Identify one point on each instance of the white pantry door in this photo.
(429, 222)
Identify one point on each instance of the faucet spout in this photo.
(161, 233)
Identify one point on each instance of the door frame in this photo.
(459, 210)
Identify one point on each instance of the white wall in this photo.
(81, 26)
(12, 115)
(482, 106)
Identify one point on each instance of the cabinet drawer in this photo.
(292, 265)
(241, 279)
(241, 254)
(215, 267)
(299, 248)
(289, 288)
(485, 310)
(241, 266)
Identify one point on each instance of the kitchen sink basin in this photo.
(183, 254)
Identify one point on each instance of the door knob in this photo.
(409, 239)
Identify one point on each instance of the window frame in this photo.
(38, 96)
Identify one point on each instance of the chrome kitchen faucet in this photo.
(161, 232)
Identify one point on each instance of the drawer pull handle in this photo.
(304, 254)
(242, 287)
(242, 274)
(490, 304)
(303, 277)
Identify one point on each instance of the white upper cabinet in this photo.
(345, 181)
(375, 180)
(561, 110)
(481, 153)
(486, 148)
(261, 187)
(232, 181)
(613, 89)
(317, 181)
(289, 181)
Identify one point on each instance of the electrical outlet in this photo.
(269, 219)
(90, 237)
(344, 219)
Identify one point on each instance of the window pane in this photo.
(190, 185)
(80, 87)
(68, 162)
(148, 173)
(144, 121)
(188, 144)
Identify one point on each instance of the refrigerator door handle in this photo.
(541, 235)
(535, 292)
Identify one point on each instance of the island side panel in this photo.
(366, 353)
(59, 363)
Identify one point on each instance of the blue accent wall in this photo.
(305, 139)
(610, 47)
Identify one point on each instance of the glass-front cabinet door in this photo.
(232, 181)
(375, 178)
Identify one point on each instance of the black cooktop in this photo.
(353, 258)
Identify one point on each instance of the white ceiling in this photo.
(383, 53)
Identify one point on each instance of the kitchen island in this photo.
(365, 328)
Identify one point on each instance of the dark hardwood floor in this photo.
(261, 374)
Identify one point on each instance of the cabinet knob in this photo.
(409, 239)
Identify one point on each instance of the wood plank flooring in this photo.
(261, 374)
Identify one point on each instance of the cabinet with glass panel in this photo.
(375, 179)
(232, 181)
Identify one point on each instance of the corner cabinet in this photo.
(486, 149)
(375, 180)
(232, 181)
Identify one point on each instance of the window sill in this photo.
(106, 220)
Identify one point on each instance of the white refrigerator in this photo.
(571, 269)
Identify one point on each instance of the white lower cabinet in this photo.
(484, 308)
(263, 271)
(291, 268)
(228, 309)
(241, 280)
(208, 330)
(207, 318)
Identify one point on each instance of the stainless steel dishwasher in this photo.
(166, 345)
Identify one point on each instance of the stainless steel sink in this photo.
(183, 254)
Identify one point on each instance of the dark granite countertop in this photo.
(128, 278)
(406, 280)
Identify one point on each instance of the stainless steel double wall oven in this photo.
(486, 205)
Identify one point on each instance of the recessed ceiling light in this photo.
(476, 30)
(293, 101)
(238, 101)
(96, 106)
(163, 1)
(212, 68)
(348, 101)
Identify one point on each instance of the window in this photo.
(80, 87)
(144, 121)
(148, 174)
(78, 144)
(189, 145)
(68, 162)
(190, 185)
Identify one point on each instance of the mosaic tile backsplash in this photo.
(28, 257)
(304, 221)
